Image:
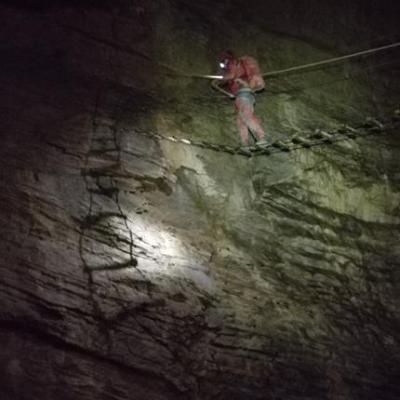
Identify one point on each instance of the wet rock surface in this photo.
(134, 268)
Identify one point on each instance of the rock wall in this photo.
(134, 268)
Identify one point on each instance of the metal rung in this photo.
(375, 123)
(227, 149)
(264, 150)
(348, 131)
(320, 134)
(200, 144)
(196, 143)
(281, 145)
(230, 150)
(300, 140)
(213, 146)
(243, 152)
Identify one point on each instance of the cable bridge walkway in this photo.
(304, 140)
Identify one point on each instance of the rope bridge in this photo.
(298, 141)
(304, 140)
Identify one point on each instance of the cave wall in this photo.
(138, 268)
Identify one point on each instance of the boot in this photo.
(246, 150)
(262, 143)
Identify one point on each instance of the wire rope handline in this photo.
(331, 60)
(295, 68)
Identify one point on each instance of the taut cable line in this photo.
(295, 68)
(331, 60)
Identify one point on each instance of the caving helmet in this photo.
(224, 58)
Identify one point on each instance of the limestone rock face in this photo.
(139, 268)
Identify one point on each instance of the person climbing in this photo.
(242, 78)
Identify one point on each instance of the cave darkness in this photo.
(143, 257)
